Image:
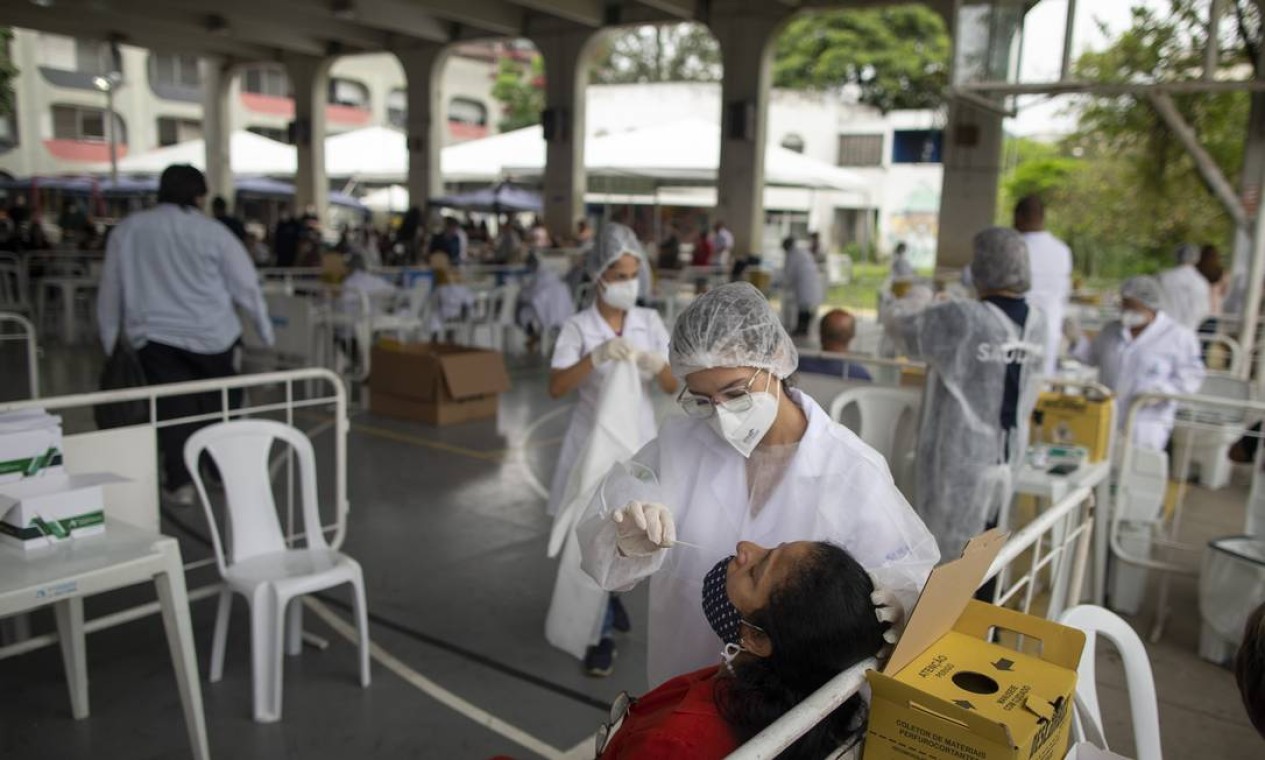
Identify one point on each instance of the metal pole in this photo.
(112, 132)
(1212, 51)
(1252, 309)
(1068, 34)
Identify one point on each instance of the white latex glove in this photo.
(650, 364)
(888, 610)
(644, 528)
(615, 349)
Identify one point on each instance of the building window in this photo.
(280, 134)
(266, 80)
(70, 54)
(793, 142)
(467, 111)
(172, 130)
(397, 107)
(917, 146)
(348, 93)
(860, 150)
(175, 70)
(84, 124)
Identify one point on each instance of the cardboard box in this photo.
(435, 383)
(46, 510)
(1075, 420)
(949, 693)
(30, 444)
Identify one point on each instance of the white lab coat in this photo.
(361, 282)
(803, 279)
(1164, 358)
(1189, 295)
(449, 302)
(1050, 262)
(965, 459)
(582, 333)
(836, 488)
(545, 301)
(578, 606)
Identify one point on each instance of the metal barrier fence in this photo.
(121, 443)
(27, 335)
(1055, 544)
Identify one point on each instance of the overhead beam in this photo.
(685, 10)
(140, 32)
(590, 13)
(298, 17)
(202, 21)
(495, 16)
(409, 19)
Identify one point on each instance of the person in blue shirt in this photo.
(837, 329)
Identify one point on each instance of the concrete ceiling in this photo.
(253, 30)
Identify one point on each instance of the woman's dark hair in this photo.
(182, 185)
(1210, 264)
(1249, 668)
(821, 622)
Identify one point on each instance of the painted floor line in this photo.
(434, 690)
(519, 451)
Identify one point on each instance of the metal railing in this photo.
(27, 335)
(1055, 544)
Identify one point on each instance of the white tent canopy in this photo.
(386, 199)
(249, 154)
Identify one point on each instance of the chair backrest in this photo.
(12, 286)
(882, 417)
(241, 450)
(1096, 621)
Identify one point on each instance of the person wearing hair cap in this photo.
(1188, 294)
(987, 357)
(752, 459)
(612, 330)
(1145, 351)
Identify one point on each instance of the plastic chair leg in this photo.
(70, 633)
(222, 614)
(265, 629)
(362, 624)
(294, 627)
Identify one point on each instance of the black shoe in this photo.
(599, 661)
(621, 622)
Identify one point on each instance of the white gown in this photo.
(1165, 358)
(835, 488)
(1189, 296)
(582, 333)
(1050, 262)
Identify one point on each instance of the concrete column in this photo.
(972, 170)
(309, 78)
(746, 33)
(566, 57)
(423, 69)
(217, 127)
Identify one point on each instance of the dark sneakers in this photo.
(621, 622)
(599, 661)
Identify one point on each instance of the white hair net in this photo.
(731, 326)
(1001, 261)
(1187, 253)
(614, 240)
(1145, 290)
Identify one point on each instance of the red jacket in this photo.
(677, 721)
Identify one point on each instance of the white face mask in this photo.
(744, 430)
(621, 295)
(1131, 319)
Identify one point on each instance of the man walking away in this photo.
(171, 280)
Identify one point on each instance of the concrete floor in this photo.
(452, 541)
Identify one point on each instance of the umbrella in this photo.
(503, 197)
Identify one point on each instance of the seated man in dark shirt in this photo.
(838, 328)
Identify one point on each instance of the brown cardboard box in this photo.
(435, 383)
(950, 693)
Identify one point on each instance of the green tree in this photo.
(670, 53)
(8, 72)
(521, 91)
(897, 57)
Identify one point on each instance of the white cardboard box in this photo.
(30, 443)
(51, 508)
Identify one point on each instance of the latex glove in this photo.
(644, 528)
(888, 610)
(615, 349)
(650, 364)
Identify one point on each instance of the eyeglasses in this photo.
(619, 709)
(701, 407)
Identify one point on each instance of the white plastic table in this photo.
(124, 555)
(1038, 482)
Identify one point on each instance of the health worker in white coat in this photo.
(612, 329)
(752, 459)
(986, 358)
(1189, 296)
(1145, 351)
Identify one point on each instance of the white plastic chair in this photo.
(259, 565)
(886, 419)
(1143, 707)
(13, 285)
